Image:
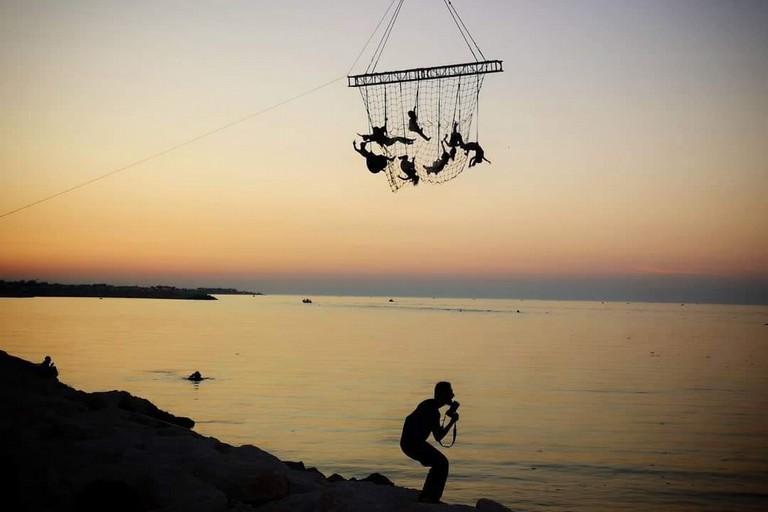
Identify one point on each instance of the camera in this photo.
(452, 409)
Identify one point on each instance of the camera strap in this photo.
(454, 436)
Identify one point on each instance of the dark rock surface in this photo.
(63, 450)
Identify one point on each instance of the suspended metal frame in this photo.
(410, 75)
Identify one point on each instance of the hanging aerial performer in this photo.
(413, 125)
(409, 168)
(420, 118)
(379, 134)
(479, 156)
(375, 163)
(439, 164)
(456, 140)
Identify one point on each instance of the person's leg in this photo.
(430, 457)
(434, 485)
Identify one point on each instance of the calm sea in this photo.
(565, 405)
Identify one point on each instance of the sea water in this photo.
(564, 405)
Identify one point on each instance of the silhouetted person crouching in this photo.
(425, 420)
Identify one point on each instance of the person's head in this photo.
(444, 393)
(47, 359)
(411, 114)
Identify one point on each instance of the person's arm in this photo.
(440, 432)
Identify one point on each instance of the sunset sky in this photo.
(628, 140)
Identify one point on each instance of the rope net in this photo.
(411, 112)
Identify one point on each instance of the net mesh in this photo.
(439, 105)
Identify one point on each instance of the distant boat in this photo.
(307, 301)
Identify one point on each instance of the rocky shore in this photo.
(67, 450)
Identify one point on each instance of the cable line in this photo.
(206, 134)
(173, 148)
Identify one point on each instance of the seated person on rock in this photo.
(47, 368)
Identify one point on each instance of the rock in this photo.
(126, 401)
(259, 488)
(316, 472)
(304, 479)
(317, 501)
(378, 479)
(64, 450)
(486, 505)
(113, 495)
(325, 502)
(354, 496)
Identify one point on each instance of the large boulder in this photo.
(258, 488)
(486, 505)
(127, 402)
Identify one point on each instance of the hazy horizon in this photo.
(667, 289)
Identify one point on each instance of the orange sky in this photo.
(630, 143)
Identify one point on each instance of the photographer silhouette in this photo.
(425, 419)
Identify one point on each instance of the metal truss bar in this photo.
(410, 75)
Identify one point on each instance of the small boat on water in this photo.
(307, 301)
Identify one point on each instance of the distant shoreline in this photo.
(29, 289)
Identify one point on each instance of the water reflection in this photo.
(565, 406)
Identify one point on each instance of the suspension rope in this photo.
(439, 110)
(463, 29)
(458, 21)
(386, 114)
(479, 83)
(364, 94)
(402, 112)
(384, 39)
(365, 46)
(457, 104)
